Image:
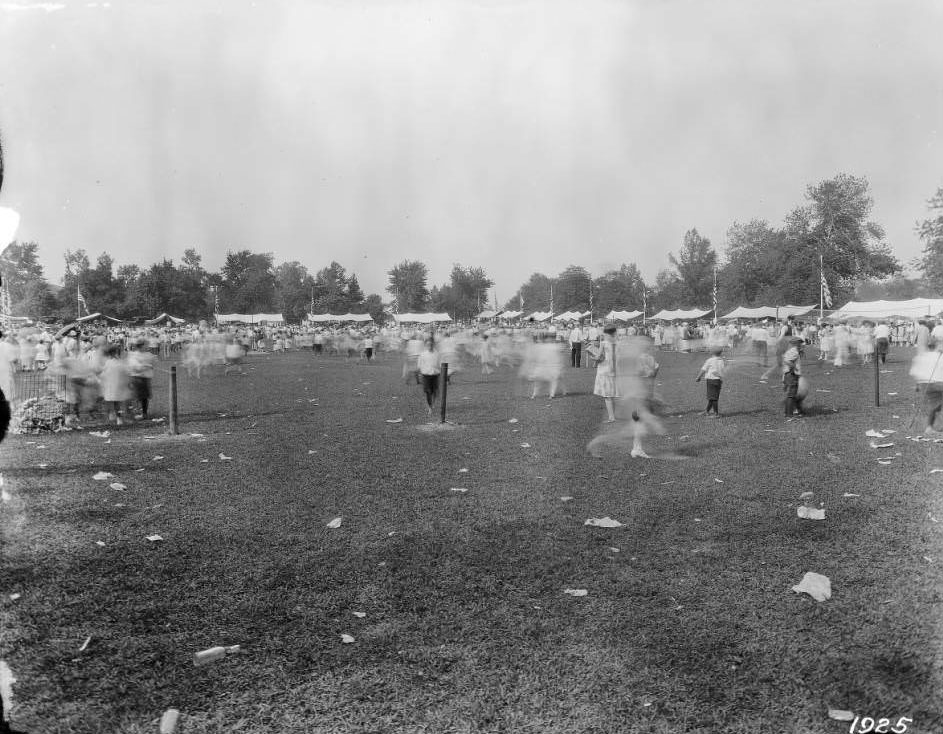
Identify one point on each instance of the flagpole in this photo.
(78, 293)
(821, 289)
(715, 295)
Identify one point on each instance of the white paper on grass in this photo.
(459, 489)
(889, 431)
(154, 538)
(576, 592)
(806, 496)
(512, 420)
(815, 585)
(157, 458)
(7, 679)
(5, 496)
(885, 463)
(841, 715)
(603, 522)
(810, 513)
(566, 499)
(891, 394)
(525, 445)
(168, 721)
(118, 486)
(463, 471)
(347, 639)
(336, 522)
(100, 542)
(871, 433)
(100, 434)
(223, 457)
(85, 644)
(394, 420)
(881, 445)
(103, 475)
(14, 596)
(850, 494)
(359, 615)
(719, 481)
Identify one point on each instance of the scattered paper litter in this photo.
(154, 538)
(14, 596)
(359, 615)
(928, 559)
(42, 466)
(603, 522)
(463, 471)
(196, 435)
(810, 513)
(613, 549)
(347, 639)
(576, 592)
(889, 431)
(936, 471)
(871, 433)
(567, 498)
(103, 475)
(512, 420)
(881, 445)
(100, 434)
(525, 445)
(157, 458)
(214, 653)
(459, 489)
(815, 585)
(5, 496)
(168, 721)
(885, 463)
(336, 522)
(118, 486)
(719, 481)
(850, 494)
(100, 542)
(840, 715)
(157, 420)
(85, 644)
(394, 420)
(832, 458)
(806, 496)
(891, 394)
(204, 461)
(821, 390)
(223, 457)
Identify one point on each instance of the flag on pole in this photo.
(81, 300)
(826, 293)
(715, 295)
(216, 303)
(520, 298)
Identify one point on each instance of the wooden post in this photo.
(444, 377)
(173, 400)
(877, 381)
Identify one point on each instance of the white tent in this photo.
(679, 315)
(622, 315)
(912, 309)
(323, 318)
(767, 312)
(539, 316)
(572, 316)
(164, 317)
(510, 314)
(249, 318)
(420, 318)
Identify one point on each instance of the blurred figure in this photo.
(141, 372)
(115, 383)
(428, 365)
(543, 364)
(636, 370)
(927, 371)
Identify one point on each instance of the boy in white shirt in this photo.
(713, 373)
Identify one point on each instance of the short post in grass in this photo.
(877, 381)
(173, 400)
(444, 377)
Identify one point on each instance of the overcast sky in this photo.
(516, 136)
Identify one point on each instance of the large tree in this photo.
(572, 289)
(695, 266)
(930, 231)
(465, 295)
(619, 290)
(293, 288)
(534, 295)
(407, 285)
(248, 284)
(23, 277)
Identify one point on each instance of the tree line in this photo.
(831, 233)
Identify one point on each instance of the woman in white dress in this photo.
(605, 358)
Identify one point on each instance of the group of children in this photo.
(794, 388)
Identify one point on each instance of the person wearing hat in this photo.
(792, 370)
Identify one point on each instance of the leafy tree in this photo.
(465, 295)
(534, 295)
(695, 266)
(374, 306)
(293, 291)
(571, 289)
(930, 231)
(667, 293)
(355, 297)
(897, 288)
(248, 284)
(23, 277)
(619, 290)
(407, 285)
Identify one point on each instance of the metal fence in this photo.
(37, 384)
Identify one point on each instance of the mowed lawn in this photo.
(689, 623)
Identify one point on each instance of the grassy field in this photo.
(689, 623)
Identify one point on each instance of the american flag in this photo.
(715, 294)
(81, 300)
(826, 293)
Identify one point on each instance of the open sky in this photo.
(519, 136)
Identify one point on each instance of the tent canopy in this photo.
(767, 312)
(510, 314)
(421, 318)
(679, 315)
(622, 315)
(911, 309)
(538, 316)
(249, 318)
(328, 317)
(571, 316)
(97, 317)
(164, 317)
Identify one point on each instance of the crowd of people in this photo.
(106, 373)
